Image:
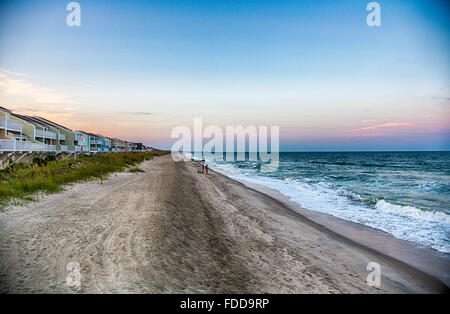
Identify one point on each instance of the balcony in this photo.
(81, 148)
(13, 146)
(50, 148)
(62, 137)
(64, 148)
(10, 125)
(45, 134)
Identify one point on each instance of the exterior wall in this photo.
(3, 131)
(134, 147)
(108, 144)
(20, 141)
(91, 142)
(122, 145)
(83, 141)
(103, 146)
(70, 138)
(27, 128)
(93, 147)
(53, 141)
(118, 145)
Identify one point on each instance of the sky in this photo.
(136, 69)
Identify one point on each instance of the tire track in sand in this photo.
(145, 232)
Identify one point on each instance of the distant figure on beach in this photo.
(203, 168)
(206, 168)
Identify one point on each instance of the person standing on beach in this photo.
(203, 168)
(206, 168)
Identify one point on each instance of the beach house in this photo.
(139, 147)
(22, 133)
(9, 128)
(105, 145)
(132, 147)
(118, 145)
(96, 142)
(147, 148)
(108, 143)
(82, 142)
(66, 137)
(114, 144)
(17, 133)
(42, 132)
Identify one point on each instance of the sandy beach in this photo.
(172, 230)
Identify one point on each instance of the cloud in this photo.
(13, 73)
(441, 98)
(23, 88)
(47, 108)
(382, 129)
(384, 125)
(141, 113)
(367, 121)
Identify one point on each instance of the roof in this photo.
(37, 120)
(101, 136)
(51, 122)
(91, 134)
(42, 122)
(86, 133)
(4, 109)
(28, 119)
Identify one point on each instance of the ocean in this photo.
(406, 194)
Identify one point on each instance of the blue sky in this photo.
(135, 69)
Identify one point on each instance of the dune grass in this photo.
(21, 181)
(136, 169)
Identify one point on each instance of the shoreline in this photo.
(170, 229)
(417, 256)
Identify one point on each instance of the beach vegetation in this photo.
(21, 181)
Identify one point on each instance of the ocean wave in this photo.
(411, 211)
(351, 196)
(428, 228)
(436, 187)
(347, 163)
(372, 165)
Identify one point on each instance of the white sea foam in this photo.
(411, 211)
(403, 222)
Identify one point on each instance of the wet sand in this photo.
(172, 230)
(425, 259)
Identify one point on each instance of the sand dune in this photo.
(172, 230)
